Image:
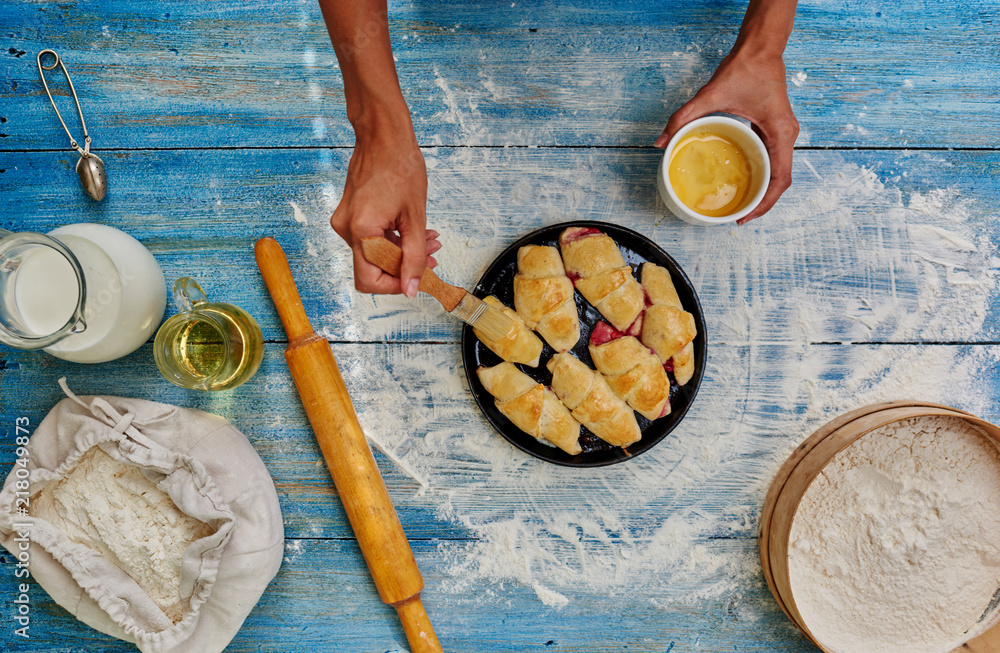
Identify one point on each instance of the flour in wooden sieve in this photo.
(895, 546)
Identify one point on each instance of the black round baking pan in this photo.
(498, 280)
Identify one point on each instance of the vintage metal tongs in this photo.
(90, 168)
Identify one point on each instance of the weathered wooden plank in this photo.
(177, 74)
(657, 550)
(322, 600)
(866, 246)
(450, 474)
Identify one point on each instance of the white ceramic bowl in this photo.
(753, 147)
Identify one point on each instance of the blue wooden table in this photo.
(874, 278)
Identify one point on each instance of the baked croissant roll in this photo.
(592, 401)
(595, 264)
(667, 328)
(684, 364)
(659, 285)
(634, 374)
(531, 407)
(543, 296)
(520, 345)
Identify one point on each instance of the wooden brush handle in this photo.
(347, 454)
(388, 256)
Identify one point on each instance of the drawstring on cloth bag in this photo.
(160, 459)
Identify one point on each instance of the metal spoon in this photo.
(90, 167)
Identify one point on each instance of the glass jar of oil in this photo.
(207, 345)
(710, 173)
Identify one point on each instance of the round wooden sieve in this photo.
(805, 464)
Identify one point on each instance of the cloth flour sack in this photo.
(154, 524)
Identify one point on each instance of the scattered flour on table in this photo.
(298, 215)
(677, 524)
(895, 546)
(112, 508)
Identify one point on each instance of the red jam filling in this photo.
(604, 333)
(575, 234)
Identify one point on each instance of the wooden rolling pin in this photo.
(347, 454)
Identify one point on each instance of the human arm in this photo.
(385, 193)
(750, 82)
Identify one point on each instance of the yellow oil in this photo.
(710, 174)
(200, 349)
(215, 348)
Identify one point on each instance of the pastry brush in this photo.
(490, 322)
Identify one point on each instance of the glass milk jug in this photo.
(86, 293)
